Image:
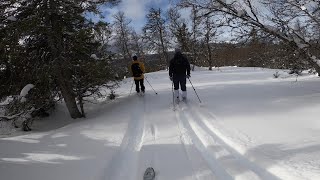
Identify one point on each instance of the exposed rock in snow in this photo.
(12, 18)
(24, 92)
(94, 56)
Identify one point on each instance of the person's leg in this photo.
(142, 85)
(175, 81)
(184, 95)
(137, 85)
(183, 82)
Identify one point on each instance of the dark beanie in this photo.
(135, 58)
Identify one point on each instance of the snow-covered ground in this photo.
(249, 126)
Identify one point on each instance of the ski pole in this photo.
(194, 90)
(150, 85)
(131, 87)
(173, 97)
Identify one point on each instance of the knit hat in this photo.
(134, 57)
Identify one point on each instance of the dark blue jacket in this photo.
(179, 65)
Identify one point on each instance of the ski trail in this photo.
(124, 164)
(233, 162)
(199, 170)
(146, 158)
(215, 167)
(167, 150)
(153, 151)
(185, 141)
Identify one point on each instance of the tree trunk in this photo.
(69, 98)
(81, 106)
(209, 53)
(55, 40)
(164, 49)
(307, 55)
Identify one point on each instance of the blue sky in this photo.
(136, 10)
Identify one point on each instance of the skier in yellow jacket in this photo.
(137, 71)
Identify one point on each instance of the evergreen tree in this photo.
(179, 30)
(50, 44)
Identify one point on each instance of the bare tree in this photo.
(209, 35)
(122, 38)
(195, 34)
(275, 18)
(156, 34)
(137, 44)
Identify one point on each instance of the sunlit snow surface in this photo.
(249, 126)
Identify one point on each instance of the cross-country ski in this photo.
(149, 174)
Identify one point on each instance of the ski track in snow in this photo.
(124, 164)
(190, 143)
(146, 160)
(185, 140)
(224, 161)
(151, 156)
(190, 151)
(199, 144)
(196, 140)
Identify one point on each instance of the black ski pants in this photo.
(137, 82)
(179, 80)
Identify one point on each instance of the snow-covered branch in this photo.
(8, 118)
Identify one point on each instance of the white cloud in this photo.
(134, 9)
(185, 13)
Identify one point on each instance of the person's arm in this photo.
(130, 69)
(188, 67)
(142, 67)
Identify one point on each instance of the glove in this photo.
(170, 78)
(188, 76)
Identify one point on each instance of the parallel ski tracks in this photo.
(124, 164)
(197, 138)
(185, 142)
(224, 161)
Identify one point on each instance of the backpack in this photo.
(179, 62)
(179, 65)
(136, 70)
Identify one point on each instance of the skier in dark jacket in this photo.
(179, 70)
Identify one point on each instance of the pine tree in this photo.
(179, 30)
(50, 44)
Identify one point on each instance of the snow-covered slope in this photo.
(249, 126)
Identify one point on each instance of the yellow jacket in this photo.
(141, 67)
